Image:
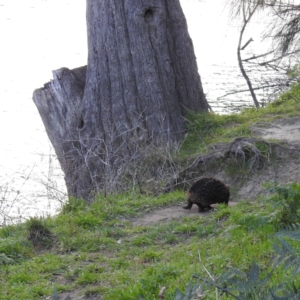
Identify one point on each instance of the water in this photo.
(38, 36)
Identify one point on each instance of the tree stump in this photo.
(140, 81)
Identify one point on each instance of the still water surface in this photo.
(38, 36)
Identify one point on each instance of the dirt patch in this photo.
(283, 172)
(285, 169)
(76, 295)
(287, 130)
(168, 214)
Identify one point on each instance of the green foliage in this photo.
(151, 256)
(15, 248)
(293, 94)
(264, 148)
(193, 290)
(154, 278)
(88, 275)
(295, 73)
(73, 205)
(204, 127)
(87, 220)
(256, 283)
(287, 254)
(209, 123)
(248, 285)
(285, 202)
(5, 260)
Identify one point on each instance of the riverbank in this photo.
(135, 246)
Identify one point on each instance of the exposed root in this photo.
(251, 152)
(244, 148)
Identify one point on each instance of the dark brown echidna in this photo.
(207, 191)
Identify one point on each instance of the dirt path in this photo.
(168, 214)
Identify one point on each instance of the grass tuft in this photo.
(38, 234)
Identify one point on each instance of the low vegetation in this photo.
(96, 251)
(246, 251)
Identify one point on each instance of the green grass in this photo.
(95, 251)
(206, 129)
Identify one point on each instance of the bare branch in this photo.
(257, 56)
(247, 90)
(249, 41)
(279, 58)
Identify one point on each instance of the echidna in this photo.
(207, 191)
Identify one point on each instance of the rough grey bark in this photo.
(141, 79)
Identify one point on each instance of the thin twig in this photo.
(218, 287)
(211, 277)
(257, 56)
(247, 90)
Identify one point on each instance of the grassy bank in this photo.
(96, 251)
(206, 129)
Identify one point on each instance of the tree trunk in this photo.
(141, 79)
